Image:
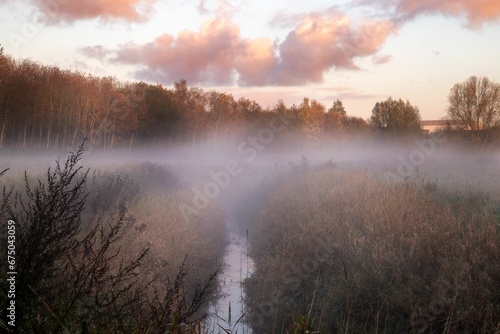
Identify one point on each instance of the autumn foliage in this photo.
(46, 107)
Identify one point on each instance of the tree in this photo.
(334, 118)
(221, 112)
(395, 117)
(337, 108)
(311, 114)
(6, 66)
(475, 104)
(355, 125)
(162, 113)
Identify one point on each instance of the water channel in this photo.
(230, 307)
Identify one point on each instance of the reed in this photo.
(342, 250)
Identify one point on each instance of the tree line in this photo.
(44, 106)
(47, 107)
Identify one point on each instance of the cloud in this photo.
(382, 59)
(354, 95)
(256, 61)
(211, 56)
(221, 8)
(218, 55)
(326, 40)
(477, 12)
(344, 93)
(57, 11)
(202, 9)
(97, 52)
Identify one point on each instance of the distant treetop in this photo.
(395, 117)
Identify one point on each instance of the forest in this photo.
(46, 107)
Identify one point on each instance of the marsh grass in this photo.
(400, 257)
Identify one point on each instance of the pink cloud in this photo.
(343, 93)
(352, 95)
(56, 11)
(217, 54)
(323, 41)
(256, 61)
(211, 55)
(477, 12)
(382, 59)
(97, 51)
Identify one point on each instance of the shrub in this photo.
(83, 273)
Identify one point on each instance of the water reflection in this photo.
(230, 308)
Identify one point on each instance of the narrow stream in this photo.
(230, 307)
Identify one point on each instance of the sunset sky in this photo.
(360, 51)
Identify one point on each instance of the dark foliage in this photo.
(76, 276)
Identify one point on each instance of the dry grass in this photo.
(197, 244)
(343, 251)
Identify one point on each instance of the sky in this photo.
(358, 51)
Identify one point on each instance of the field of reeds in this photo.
(338, 247)
(342, 250)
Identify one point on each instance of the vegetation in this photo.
(475, 104)
(474, 111)
(339, 250)
(46, 107)
(89, 265)
(395, 117)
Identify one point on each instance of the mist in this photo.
(438, 160)
(225, 176)
(228, 195)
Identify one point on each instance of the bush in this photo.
(83, 273)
